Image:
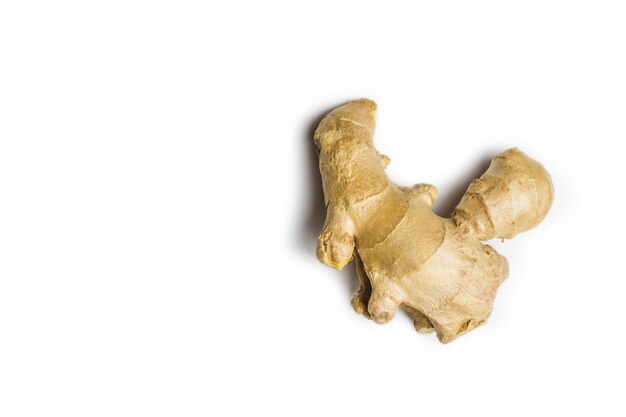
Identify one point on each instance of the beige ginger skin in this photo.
(406, 256)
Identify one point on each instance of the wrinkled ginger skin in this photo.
(406, 256)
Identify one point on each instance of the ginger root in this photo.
(406, 256)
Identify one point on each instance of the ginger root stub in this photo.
(406, 256)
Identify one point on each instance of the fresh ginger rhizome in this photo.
(406, 256)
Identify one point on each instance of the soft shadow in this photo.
(446, 202)
(314, 212)
(350, 279)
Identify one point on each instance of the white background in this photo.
(160, 203)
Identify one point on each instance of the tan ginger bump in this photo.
(406, 256)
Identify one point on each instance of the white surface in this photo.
(160, 201)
